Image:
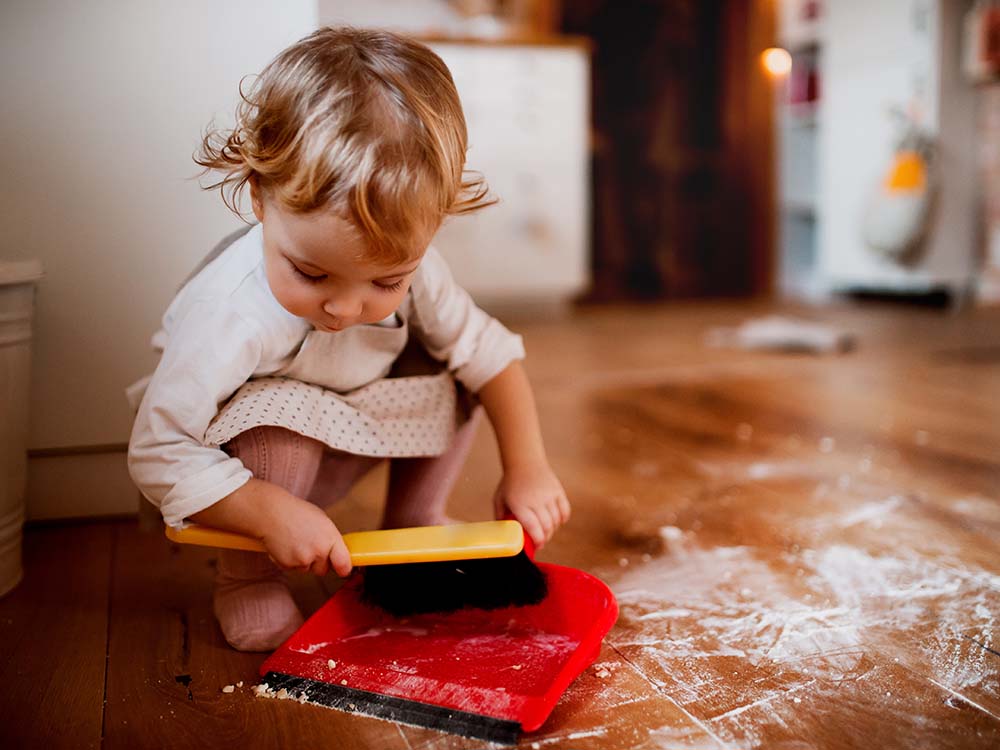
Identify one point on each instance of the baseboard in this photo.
(79, 485)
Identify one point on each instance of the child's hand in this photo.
(300, 536)
(536, 498)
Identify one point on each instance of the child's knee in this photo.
(266, 439)
(278, 455)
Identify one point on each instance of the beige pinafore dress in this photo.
(367, 390)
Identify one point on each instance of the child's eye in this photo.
(390, 287)
(307, 277)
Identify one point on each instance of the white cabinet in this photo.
(527, 108)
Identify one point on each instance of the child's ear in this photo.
(256, 200)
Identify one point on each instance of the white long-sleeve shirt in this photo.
(225, 327)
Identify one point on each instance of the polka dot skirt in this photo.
(412, 416)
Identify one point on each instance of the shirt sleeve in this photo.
(209, 354)
(476, 346)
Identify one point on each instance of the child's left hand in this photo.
(536, 498)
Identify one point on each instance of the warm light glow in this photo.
(776, 61)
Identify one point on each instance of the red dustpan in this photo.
(482, 674)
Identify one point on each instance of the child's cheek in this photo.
(290, 295)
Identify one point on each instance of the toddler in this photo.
(329, 336)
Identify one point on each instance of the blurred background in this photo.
(642, 151)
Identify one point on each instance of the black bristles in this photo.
(421, 588)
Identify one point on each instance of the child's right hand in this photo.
(296, 533)
(300, 536)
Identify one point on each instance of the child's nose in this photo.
(345, 306)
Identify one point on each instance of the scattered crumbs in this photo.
(228, 688)
(744, 431)
(302, 698)
(262, 691)
(623, 562)
(646, 557)
(888, 694)
(517, 666)
(283, 695)
(671, 534)
(343, 682)
(535, 745)
(333, 665)
(797, 699)
(352, 707)
(746, 592)
(604, 670)
(239, 684)
(827, 444)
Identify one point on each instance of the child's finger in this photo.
(533, 526)
(340, 557)
(549, 522)
(564, 508)
(320, 567)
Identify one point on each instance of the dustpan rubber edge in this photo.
(399, 710)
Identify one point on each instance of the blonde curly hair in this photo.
(363, 122)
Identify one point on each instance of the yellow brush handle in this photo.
(461, 541)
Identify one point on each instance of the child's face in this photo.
(316, 268)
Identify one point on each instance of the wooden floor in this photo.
(806, 551)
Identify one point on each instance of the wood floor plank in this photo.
(53, 636)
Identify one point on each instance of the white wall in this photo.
(103, 104)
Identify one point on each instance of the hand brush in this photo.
(446, 586)
(425, 569)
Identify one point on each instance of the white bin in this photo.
(17, 302)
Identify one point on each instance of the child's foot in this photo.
(253, 603)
